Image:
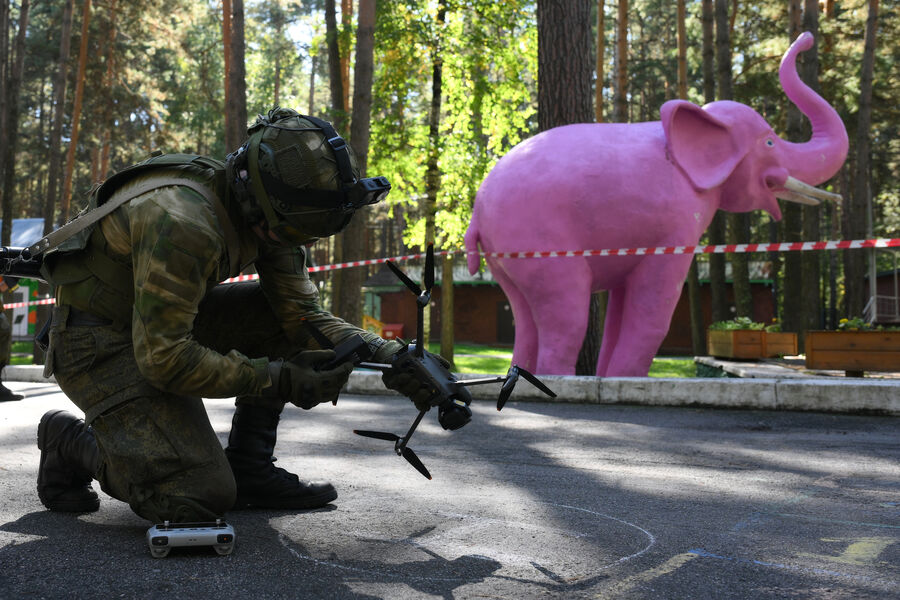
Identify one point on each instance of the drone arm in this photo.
(374, 366)
(412, 428)
(468, 382)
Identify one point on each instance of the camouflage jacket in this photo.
(170, 242)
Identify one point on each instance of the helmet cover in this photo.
(303, 176)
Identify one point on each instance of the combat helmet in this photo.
(297, 178)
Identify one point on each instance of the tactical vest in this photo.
(83, 269)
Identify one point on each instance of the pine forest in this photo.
(431, 93)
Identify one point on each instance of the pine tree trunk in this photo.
(792, 224)
(278, 23)
(230, 136)
(564, 97)
(693, 282)
(59, 108)
(855, 260)
(432, 169)
(601, 57)
(349, 303)
(4, 64)
(312, 84)
(108, 83)
(13, 103)
(76, 111)
(55, 158)
(346, 25)
(338, 119)
(336, 82)
(708, 52)
(811, 300)
(620, 100)
(739, 223)
(448, 335)
(236, 107)
(716, 229)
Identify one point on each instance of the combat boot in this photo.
(260, 484)
(69, 459)
(6, 394)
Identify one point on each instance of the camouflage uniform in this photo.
(137, 346)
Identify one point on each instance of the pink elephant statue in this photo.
(611, 185)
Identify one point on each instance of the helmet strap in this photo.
(258, 190)
(339, 147)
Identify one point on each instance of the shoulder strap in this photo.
(55, 238)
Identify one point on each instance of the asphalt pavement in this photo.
(541, 500)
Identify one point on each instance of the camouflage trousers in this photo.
(158, 451)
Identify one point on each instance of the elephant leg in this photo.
(611, 328)
(525, 346)
(650, 297)
(558, 293)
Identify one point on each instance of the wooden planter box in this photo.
(781, 343)
(853, 351)
(735, 343)
(750, 343)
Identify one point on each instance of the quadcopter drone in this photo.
(449, 394)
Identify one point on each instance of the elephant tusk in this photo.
(795, 197)
(797, 191)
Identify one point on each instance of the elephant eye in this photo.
(770, 143)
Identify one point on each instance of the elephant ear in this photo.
(700, 144)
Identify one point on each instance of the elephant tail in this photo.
(473, 257)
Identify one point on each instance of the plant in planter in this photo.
(856, 347)
(745, 338)
(738, 338)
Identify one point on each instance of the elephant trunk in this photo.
(821, 157)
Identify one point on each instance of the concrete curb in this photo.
(848, 395)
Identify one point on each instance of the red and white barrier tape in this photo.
(720, 249)
(33, 303)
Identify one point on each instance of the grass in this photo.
(21, 353)
(472, 358)
(673, 366)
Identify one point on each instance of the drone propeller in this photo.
(509, 382)
(400, 446)
(512, 376)
(412, 285)
(423, 297)
(428, 275)
(536, 382)
(412, 459)
(378, 435)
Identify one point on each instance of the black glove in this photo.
(406, 383)
(297, 381)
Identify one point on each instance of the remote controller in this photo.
(164, 536)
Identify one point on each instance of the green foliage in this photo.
(854, 324)
(859, 324)
(488, 50)
(737, 323)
